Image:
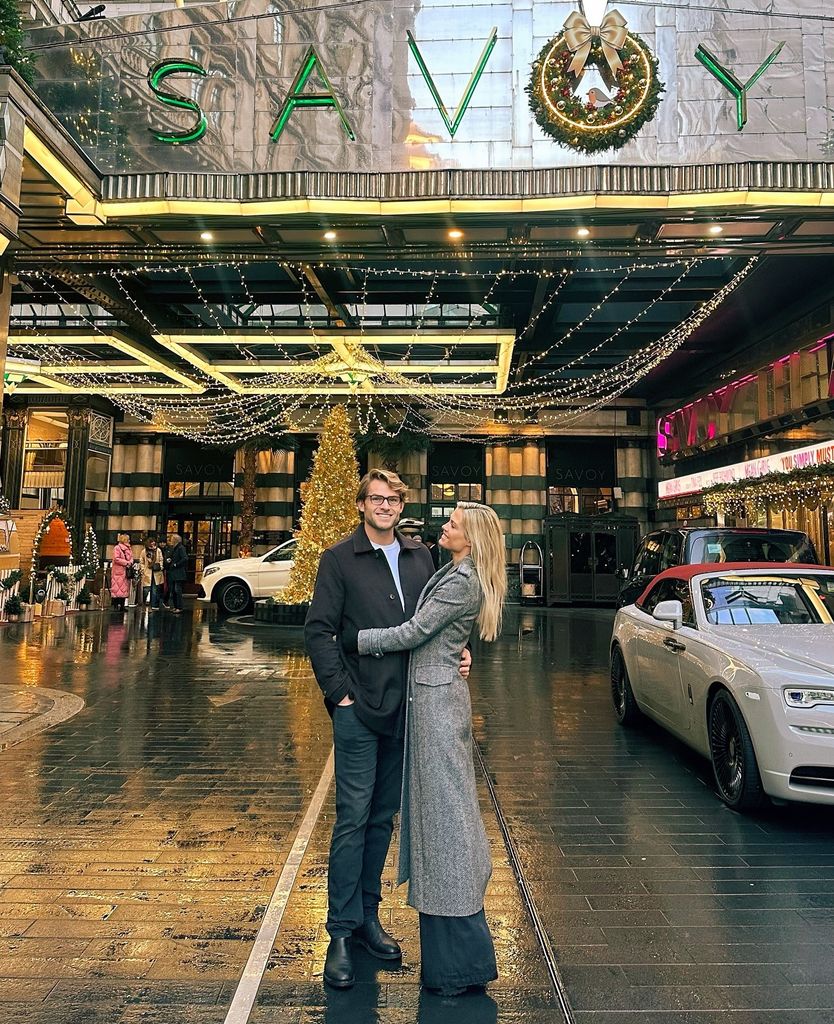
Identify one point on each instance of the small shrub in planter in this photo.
(280, 614)
(14, 577)
(13, 608)
(84, 598)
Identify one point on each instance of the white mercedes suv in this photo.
(234, 583)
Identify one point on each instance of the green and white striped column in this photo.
(633, 477)
(516, 488)
(274, 494)
(135, 504)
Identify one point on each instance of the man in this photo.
(372, 578)
(176, 559)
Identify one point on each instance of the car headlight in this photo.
(210, 570)
(807, 697)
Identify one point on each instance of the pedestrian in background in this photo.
(444, 853)
(121, 572)
(152, 573)
(176, 559)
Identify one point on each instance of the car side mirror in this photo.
(669, 611)
(622, 573)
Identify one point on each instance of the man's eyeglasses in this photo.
(394, 500)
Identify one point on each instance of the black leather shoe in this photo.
(377, 941)
(338, 967)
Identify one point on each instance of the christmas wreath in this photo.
(609, 117)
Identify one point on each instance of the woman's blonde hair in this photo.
(483, 531)
(124, 538)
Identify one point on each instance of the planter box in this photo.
(27, 613)
(55, 608)
(281, 614)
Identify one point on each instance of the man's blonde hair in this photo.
(387, 476)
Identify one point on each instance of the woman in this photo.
(152, 573)
(444, 853)
(120, 584)
(176, 560)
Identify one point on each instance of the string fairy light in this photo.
(222, 415)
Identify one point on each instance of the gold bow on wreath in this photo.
(579, 37)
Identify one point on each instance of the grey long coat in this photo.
(444, 852)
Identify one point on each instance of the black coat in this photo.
(176, 560)
(355, 590)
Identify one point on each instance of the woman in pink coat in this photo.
(119, 583)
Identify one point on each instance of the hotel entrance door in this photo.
(207, 539)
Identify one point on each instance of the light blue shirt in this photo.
(392, 553)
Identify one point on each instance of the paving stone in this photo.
(141, 841)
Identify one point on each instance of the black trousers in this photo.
(456, 952)
(175, 593)
(369, 770)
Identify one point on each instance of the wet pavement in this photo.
(141, 841)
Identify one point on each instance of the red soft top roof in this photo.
(686, 572)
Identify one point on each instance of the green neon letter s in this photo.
(157, 74)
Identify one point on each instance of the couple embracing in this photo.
(387, 636)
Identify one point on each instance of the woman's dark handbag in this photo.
(133, 571)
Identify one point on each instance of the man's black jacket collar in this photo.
(362, 543)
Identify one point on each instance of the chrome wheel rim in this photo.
(235, 598)
(726, 747)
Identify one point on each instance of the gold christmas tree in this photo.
(328, 512)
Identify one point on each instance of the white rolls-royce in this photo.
(737, 660)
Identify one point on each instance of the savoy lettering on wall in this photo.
(593, 87)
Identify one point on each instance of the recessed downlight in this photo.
(206, 236)
(455, 234)
(583, 232)
(330, 236)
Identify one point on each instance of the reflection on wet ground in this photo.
(141, 840)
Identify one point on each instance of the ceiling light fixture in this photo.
(330, 236)
(207, 236)
(455, 234)
(583, 232)
(716, 229)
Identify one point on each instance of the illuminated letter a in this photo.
(297, 98)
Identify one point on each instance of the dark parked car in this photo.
(665, 549)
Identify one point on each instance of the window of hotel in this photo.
(97, 480)
(45, 459)
(200, 489)
(444, 497)
(586, 501)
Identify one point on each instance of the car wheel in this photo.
(234, 597)
(734, 762)
(625, 706)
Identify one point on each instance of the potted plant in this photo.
(9, 582)
(85, 598)
(13, 608)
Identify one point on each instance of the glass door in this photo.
(206, 538)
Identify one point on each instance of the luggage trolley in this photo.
(531, 573)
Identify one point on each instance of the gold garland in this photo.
(781, 491)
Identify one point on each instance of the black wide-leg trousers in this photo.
(369, 769)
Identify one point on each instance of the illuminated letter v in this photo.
(472, 84)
